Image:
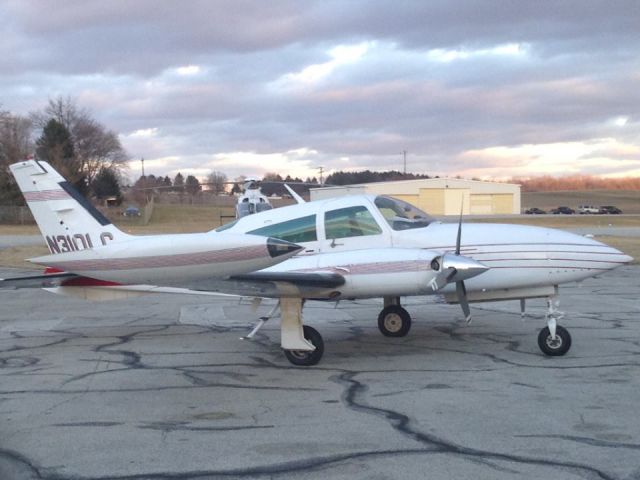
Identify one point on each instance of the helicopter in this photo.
(252, 199)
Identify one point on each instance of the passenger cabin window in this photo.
(350, 222)
(401, 215)
(298, 230)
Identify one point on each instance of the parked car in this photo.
(563, 210)
(590, 209)
(610, 209)
(132, 212)
(535, 211)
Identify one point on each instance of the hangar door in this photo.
(502, 203)
(481, 205)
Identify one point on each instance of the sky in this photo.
(485, 89)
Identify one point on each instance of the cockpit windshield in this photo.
(401, 215)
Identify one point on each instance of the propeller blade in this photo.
(461, 292)
(459, 230)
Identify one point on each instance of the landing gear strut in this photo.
(393, 320)
(553, 339)
(302, 344)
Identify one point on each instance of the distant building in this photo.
(439, 196)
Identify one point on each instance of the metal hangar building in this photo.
(439, 196)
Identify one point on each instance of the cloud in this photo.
(604, 156)
(466, 87)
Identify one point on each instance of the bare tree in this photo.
(97, 148)
(94, 145)
(15, 145)
(217, 182)
(63, 110)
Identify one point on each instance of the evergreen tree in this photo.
(178, 183)
(192, 185)
(56, 147)
(106, 185)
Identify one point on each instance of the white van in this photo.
(582, 209)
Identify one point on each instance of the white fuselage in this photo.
(398, 262)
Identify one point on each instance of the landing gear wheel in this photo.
(554, 347)
(302, 357)
(394, 321)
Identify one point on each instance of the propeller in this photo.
(456, 268)
(461, 290)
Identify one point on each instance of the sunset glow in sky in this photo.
(484, 89)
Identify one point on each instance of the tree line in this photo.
(548, 183)
(218, 183)
(368, 176)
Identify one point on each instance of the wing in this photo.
(301, 279)
(257, 284)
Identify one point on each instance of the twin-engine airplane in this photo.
(344, 248)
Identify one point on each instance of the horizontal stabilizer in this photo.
(37, 281)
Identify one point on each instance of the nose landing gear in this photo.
(553, 339)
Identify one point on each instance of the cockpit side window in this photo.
(298, 230)
(350, 222)
(401, 215)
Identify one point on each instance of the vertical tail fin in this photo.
(67, 221)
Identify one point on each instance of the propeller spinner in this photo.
(453, 267)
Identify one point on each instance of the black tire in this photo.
(394, 321)
(557, 347)
(303, 358)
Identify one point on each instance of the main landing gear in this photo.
(393, 320)
(302, 344)
(305, 358)
(553, 339)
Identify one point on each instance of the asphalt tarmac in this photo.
(161, 387)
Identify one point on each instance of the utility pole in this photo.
(321, 169)
(404, 163)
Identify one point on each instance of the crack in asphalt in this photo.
(271, 470)
(352, 398)
(588, 441)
